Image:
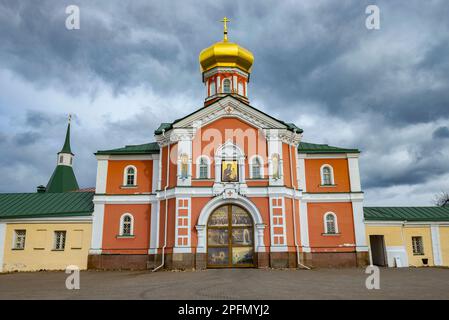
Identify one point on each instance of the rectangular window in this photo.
(60, 237)
(19, 239)
(418, 246)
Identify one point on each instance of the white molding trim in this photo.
(436, 245)
(248, 205)
(411, 224)
(125, 199)
(332, 197)
(323, 155)
(130, 157)
(2, 243)
(74, 219)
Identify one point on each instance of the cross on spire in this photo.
(225, 28)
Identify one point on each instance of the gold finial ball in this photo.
(226, 54)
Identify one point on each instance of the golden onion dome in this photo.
(226, 54)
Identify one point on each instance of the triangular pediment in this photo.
(229, 107)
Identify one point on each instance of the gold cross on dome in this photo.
(70, 118)
(225, 28)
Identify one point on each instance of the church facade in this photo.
(227, 186)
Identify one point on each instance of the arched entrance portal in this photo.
(230, 238)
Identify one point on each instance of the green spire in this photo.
(66, 147)
(63, 178)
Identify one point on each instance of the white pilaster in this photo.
(304, 226)
(302, 172)
(155, 179)
(154, 231)
(354, 172)
(97, 229)
(2, 243)
(436, 245)
(260, 227)
(201, 246)
(359, 226)
(102, 172)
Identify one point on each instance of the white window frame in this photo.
(331, 173)
(261, 163)
(23, 243)
(326, 231)
(122, 224)
(125, 176)
(198, 166)
(56, 237)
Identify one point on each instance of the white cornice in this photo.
(332, 197)
(74, 219)
(128, 157)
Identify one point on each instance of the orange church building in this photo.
(227, 186)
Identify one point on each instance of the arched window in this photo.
(61, 159)
(127, 225)
(130, 177)
(256, 170)
(227, 86)
(330, 223)
(327, 175)
(203, 168)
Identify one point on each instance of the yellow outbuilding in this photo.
(408, 236)
(45, 231)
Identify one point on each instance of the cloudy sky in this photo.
(130, 67)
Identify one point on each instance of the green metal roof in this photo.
(66, 147)
(40, 205)
(167, 126)
(62, 180)
(406, 213)
(147, 148)
(305, 147)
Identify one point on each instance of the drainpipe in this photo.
(166, 206)
(298, 259)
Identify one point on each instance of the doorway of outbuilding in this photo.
(378, 252)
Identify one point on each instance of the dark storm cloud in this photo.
(441, 133)
(312, 59)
